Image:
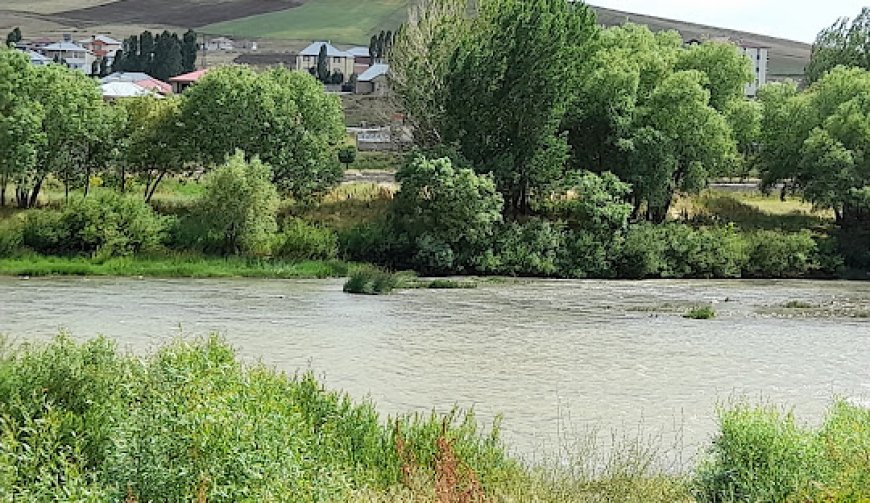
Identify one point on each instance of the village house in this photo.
(38, 59)
(71, 54)
(181, 82)
(374, 80)
(339, 61)
(119, 90)
(102, 46)
(140, 79)
(220, 44)
(362, 60)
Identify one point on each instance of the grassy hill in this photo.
(341, 21)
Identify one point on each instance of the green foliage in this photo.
(237, 211)
(449, 284)
(496, 84)
(763, 455)
(816, 142)
(700, 313)
(778, 255)
(11, 237)
(299, 240)
(529, 249)
(82, 422)
(842, 44)
(104, 224)
(371, 281)
(14, 36)
(162, 56)
(446, 215)
(679, 251)
(347, 155)
(726, 69)
(283, 117)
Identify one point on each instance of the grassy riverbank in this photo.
(84, 422)
(172, 266)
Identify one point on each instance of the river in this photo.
(575, 356)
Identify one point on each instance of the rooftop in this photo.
(374, 72)
(189, 77)
(124, 90)
(331, 50)
(359, 52)
(102, 38)
(64, 46)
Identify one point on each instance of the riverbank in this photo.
(85, 421)
(173, 266)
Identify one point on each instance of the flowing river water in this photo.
(550, 356)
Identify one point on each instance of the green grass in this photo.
(700, 313)
(340, 21)
(799, 304)
(371, 281)
(174, 266)
(449, 284)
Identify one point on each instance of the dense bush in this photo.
(678, 251)
(781, 255)
(106, 224)
(10, 237)
(763, 455)
(237, 211)
(83, 423)
(445, 216)
(528, 249)
(299, 240)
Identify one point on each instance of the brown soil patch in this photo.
(180, 13)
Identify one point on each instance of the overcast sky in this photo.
(793, 19)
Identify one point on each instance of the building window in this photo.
(336, 60)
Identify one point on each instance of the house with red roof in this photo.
(181, 82)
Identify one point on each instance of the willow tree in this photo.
(283, 117)
(844, 43)
(494, 79)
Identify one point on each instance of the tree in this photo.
(744, 118)
(14, 36)
(347, 155)
(446, 215)
(509, 87)
(818, 142)
(153, 141)
(373, 47)
(727, 71)
(147, 59)
(239, 205)
(284, 117)
(189, 51)
(419, 70)
(104, 66)
(21, 135)
(844, 43)
(323, 65)
(73, 122)
(167, 57)
(678, 142)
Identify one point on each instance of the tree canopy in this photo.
(844, 43)
(284, 117)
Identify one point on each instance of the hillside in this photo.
(348, 22)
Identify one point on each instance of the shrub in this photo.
(449, 284)
(299, 240)
(528, 249)
(447, 215)
(781, 255)
(763, 455)
(700, 313)
(105, 223)
(370, 242)
(371, 281)
(238, 208)
(11, 237)
(678, 251)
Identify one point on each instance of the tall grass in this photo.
(170, 266)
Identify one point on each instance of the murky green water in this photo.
(609, 355)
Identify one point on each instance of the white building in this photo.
(758, 57)
(38, 59)
(71, 54)
(220, 44)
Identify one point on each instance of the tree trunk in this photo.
(87, 181)
(34, 195)
(123, 178)
(153, 188)
(3, 183)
